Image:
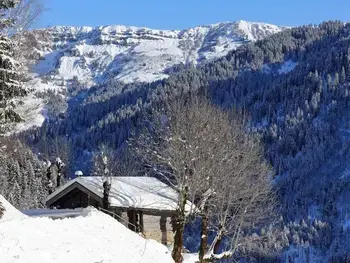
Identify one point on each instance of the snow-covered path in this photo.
(94, 237)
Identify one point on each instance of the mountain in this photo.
(131, 54)
(294, 84)
(71, 58)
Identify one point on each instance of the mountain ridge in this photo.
(129, 27)
(67, 59)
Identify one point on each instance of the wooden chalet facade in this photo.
(135, 201)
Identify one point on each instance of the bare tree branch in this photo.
(208, 157)
(24, 15)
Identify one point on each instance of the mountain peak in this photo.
(139, 53)
(94, 55)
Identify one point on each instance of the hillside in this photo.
(70, 59)
(295, 86)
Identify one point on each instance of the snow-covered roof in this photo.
(136, 192)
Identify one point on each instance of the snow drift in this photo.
(94, 237)
(10, 212)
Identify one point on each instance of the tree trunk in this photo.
(178, 239)
(48, 176)
(106, 190)
(204, 238)
(58, 180)
(179, 226)
(217, 245)
(163, 230)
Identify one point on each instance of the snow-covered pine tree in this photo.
(5, 5)
(10, 85)
(17, 185)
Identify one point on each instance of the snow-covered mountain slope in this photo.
(93, 237)
(132, 54)
(85, 56)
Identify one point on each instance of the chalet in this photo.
(139, 202)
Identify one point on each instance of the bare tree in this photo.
(117, 163)
(125, 164)
(101, 167)
(102, 162)
(215, 166)
(242, 193)
(24, 15)
(165, 147)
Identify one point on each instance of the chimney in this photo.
(78, 174)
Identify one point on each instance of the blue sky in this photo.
(179, 14)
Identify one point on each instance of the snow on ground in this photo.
(45, 66)
(93, 237)
(287, 67)
(284, 68)
(54, 213)
(73, 67)
(190, 258)
(266, 68)
(31, 111)
(346, 224)
(10, 213)
(256, 31)
(302, 254)
(32, 108)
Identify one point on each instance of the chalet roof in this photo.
(126, 192)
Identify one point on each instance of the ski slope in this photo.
(91, 238)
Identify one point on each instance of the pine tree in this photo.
(5, 5)
(10, 85)
(343, 75)
(22, 176)
(336, 79)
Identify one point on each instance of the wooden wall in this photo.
(75, 199)
(152, 227)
